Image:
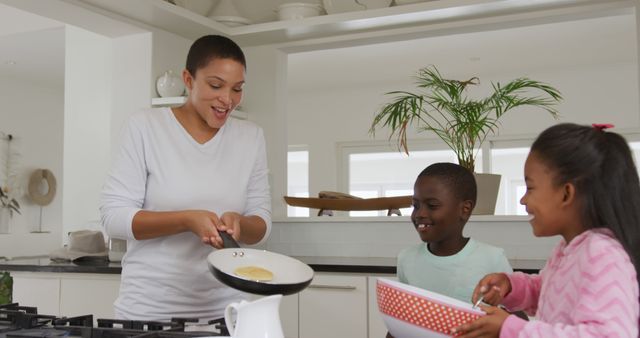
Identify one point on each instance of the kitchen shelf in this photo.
(371, 24)
(178, 100)
(168, 101)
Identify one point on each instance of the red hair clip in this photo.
(602, 126)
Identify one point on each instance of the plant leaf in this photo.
(442, 107)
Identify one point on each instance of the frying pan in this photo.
(289, 275)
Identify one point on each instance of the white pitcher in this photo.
(257, 319)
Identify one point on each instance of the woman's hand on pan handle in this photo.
(493, 288)
(230, 222)
(204, 224)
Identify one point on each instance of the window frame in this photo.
(298, 148)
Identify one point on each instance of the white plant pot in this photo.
(488, 187)
(5, 217)
(169, 85)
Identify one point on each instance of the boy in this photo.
(450, 264)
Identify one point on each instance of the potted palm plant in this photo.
(462, 123)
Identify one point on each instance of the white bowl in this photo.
(406, 2)
(341, 6)
(373, 4)
(201, 7)
(409, 311)
(298, 10)
(231, 21)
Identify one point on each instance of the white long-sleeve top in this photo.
(160, 167)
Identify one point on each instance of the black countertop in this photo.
(371, 265)
(44, 264)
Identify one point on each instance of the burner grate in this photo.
(13, 316)
(37, 333)
(24, 322)
(86, 321)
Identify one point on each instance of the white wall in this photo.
(264, 101)
(131, 85)
(87, 125)
(34, 115)
(106, 80)
(126, 85)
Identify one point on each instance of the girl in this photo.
(582, 184)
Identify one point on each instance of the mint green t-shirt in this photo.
(454, 276)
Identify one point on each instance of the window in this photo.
(387, 174)
(509, 163)
(635, 150)
(297, 179)
(372, 172)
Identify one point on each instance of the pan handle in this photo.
(228, 241)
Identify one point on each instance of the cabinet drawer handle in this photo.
(334, 287)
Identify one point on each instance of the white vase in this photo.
(488, 187)
(169, 85)
(5, 217)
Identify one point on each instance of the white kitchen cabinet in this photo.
(82, 294)
(68, 294)
(377, 329)
(334, 305)
(41, 290)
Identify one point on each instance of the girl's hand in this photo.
(493, 288)
(486, 326)
(204, 224)
(231, 224)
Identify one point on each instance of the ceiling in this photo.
(597, 41)
(36, 45)
(256, 11)
(31, 48)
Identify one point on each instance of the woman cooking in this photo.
(182, 176)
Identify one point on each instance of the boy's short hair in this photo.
(458, 178)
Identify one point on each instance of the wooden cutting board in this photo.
(380, 203)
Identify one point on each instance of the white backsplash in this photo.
(385, 237)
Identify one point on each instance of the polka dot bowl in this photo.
(409, 311)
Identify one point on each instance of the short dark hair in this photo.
(210, 47)
(600, 165)
(458, 178)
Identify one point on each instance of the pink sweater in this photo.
(587, 289)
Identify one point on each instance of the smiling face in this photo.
(216, 90)
(551, 206)
(439, 216)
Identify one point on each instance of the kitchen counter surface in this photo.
(371, 265)
(44, 264)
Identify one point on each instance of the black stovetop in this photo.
(24, 322)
